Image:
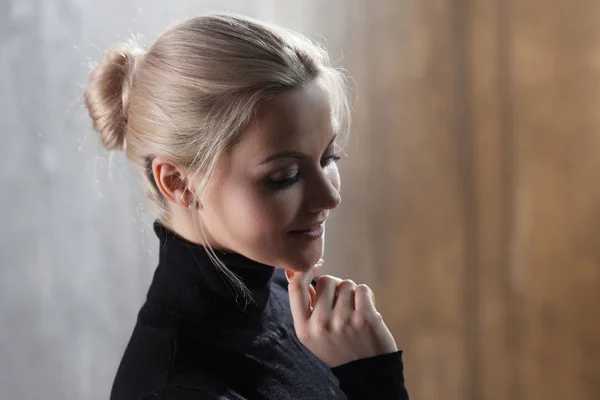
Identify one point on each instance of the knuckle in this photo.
(366, 320)
(342, 323)
(322, 322)
(363, 288)
(319, 331)
(348, 283)
(325, 280)
(374, 318)
(360, 322)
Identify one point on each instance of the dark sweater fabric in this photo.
(192, 340)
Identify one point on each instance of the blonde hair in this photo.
(190, 95)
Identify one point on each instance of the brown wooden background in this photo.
(472, 190)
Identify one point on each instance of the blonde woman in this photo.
(235, 126)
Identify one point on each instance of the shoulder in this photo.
(158, 363)
(144, 368)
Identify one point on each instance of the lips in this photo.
(315, 231)
(313, 226)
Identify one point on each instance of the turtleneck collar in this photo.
(187, 283)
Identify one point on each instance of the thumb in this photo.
(302, 294)
(298, 290)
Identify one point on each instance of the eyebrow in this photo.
(290, 154)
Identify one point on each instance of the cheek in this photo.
(333, 174)
(251, 213)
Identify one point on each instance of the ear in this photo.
(172, 182)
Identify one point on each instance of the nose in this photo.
(325, 194)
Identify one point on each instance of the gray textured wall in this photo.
(76, 247)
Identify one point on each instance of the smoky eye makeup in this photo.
(288, 176)
(284, 177)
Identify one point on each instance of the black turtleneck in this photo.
(192, 340)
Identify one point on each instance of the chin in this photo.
(305, 257)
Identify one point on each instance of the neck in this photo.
(188, 225)
(189, 283)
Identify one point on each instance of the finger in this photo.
(344, 302)
(311, 288)
(364, 299)
(313, 295)
(317, 269)
(325, 295)
(299, 293)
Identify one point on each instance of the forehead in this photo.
(298, 120)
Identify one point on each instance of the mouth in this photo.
(315, 231)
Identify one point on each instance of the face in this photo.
(274, 189)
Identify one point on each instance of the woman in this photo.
(235, 126)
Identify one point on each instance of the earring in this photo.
(191, 207)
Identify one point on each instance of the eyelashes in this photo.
(283, 183)
(280, 184)
(331, 159)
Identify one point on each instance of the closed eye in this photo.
(334, 158)
(284, 183)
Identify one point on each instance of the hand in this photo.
(338, 321)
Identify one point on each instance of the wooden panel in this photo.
(493, 375)
(470, 200)
(556, 253)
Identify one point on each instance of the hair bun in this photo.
(107, 94)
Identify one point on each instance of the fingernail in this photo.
(288, 274)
